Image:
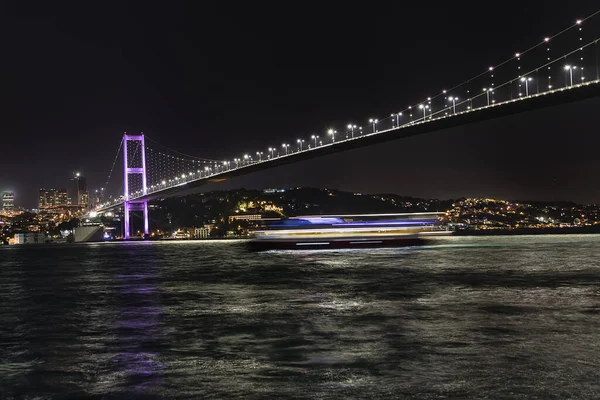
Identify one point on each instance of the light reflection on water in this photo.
(498, 317)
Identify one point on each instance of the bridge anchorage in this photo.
(136, 167)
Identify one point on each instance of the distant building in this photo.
(83, 199)
(98, 196)
(244, 217)
(52, 198)
(62, 199)
(273, 191)
(45, 198)
(81, 193)
(8, 201)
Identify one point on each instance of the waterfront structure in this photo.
(203, 232)
(8, 201)
(88, 233)
(29, 238)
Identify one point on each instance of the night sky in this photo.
(220, 80)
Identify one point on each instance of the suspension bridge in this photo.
(560, 68)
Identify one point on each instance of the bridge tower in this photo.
(131, 168)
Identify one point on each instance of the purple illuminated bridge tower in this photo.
(134, 205)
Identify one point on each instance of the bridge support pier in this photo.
(133, 204)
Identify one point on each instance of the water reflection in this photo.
(138, 330)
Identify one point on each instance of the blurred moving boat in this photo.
(348, 231)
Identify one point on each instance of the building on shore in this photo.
(30, 238)
(203, 232)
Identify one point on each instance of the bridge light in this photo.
(374, 122)
(526, 80)
(351, 127)
(570, 68)
(488, 91)
(332, 133)
(453, 100)
(546, 39)
(422, 107)
(578, 22)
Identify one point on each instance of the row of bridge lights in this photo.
(247, 159)
(424, 107)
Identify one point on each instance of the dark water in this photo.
(501, 317)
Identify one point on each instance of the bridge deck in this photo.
(533, 102)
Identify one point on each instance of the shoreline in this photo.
(528, 231)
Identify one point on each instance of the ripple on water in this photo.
(482, 317)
